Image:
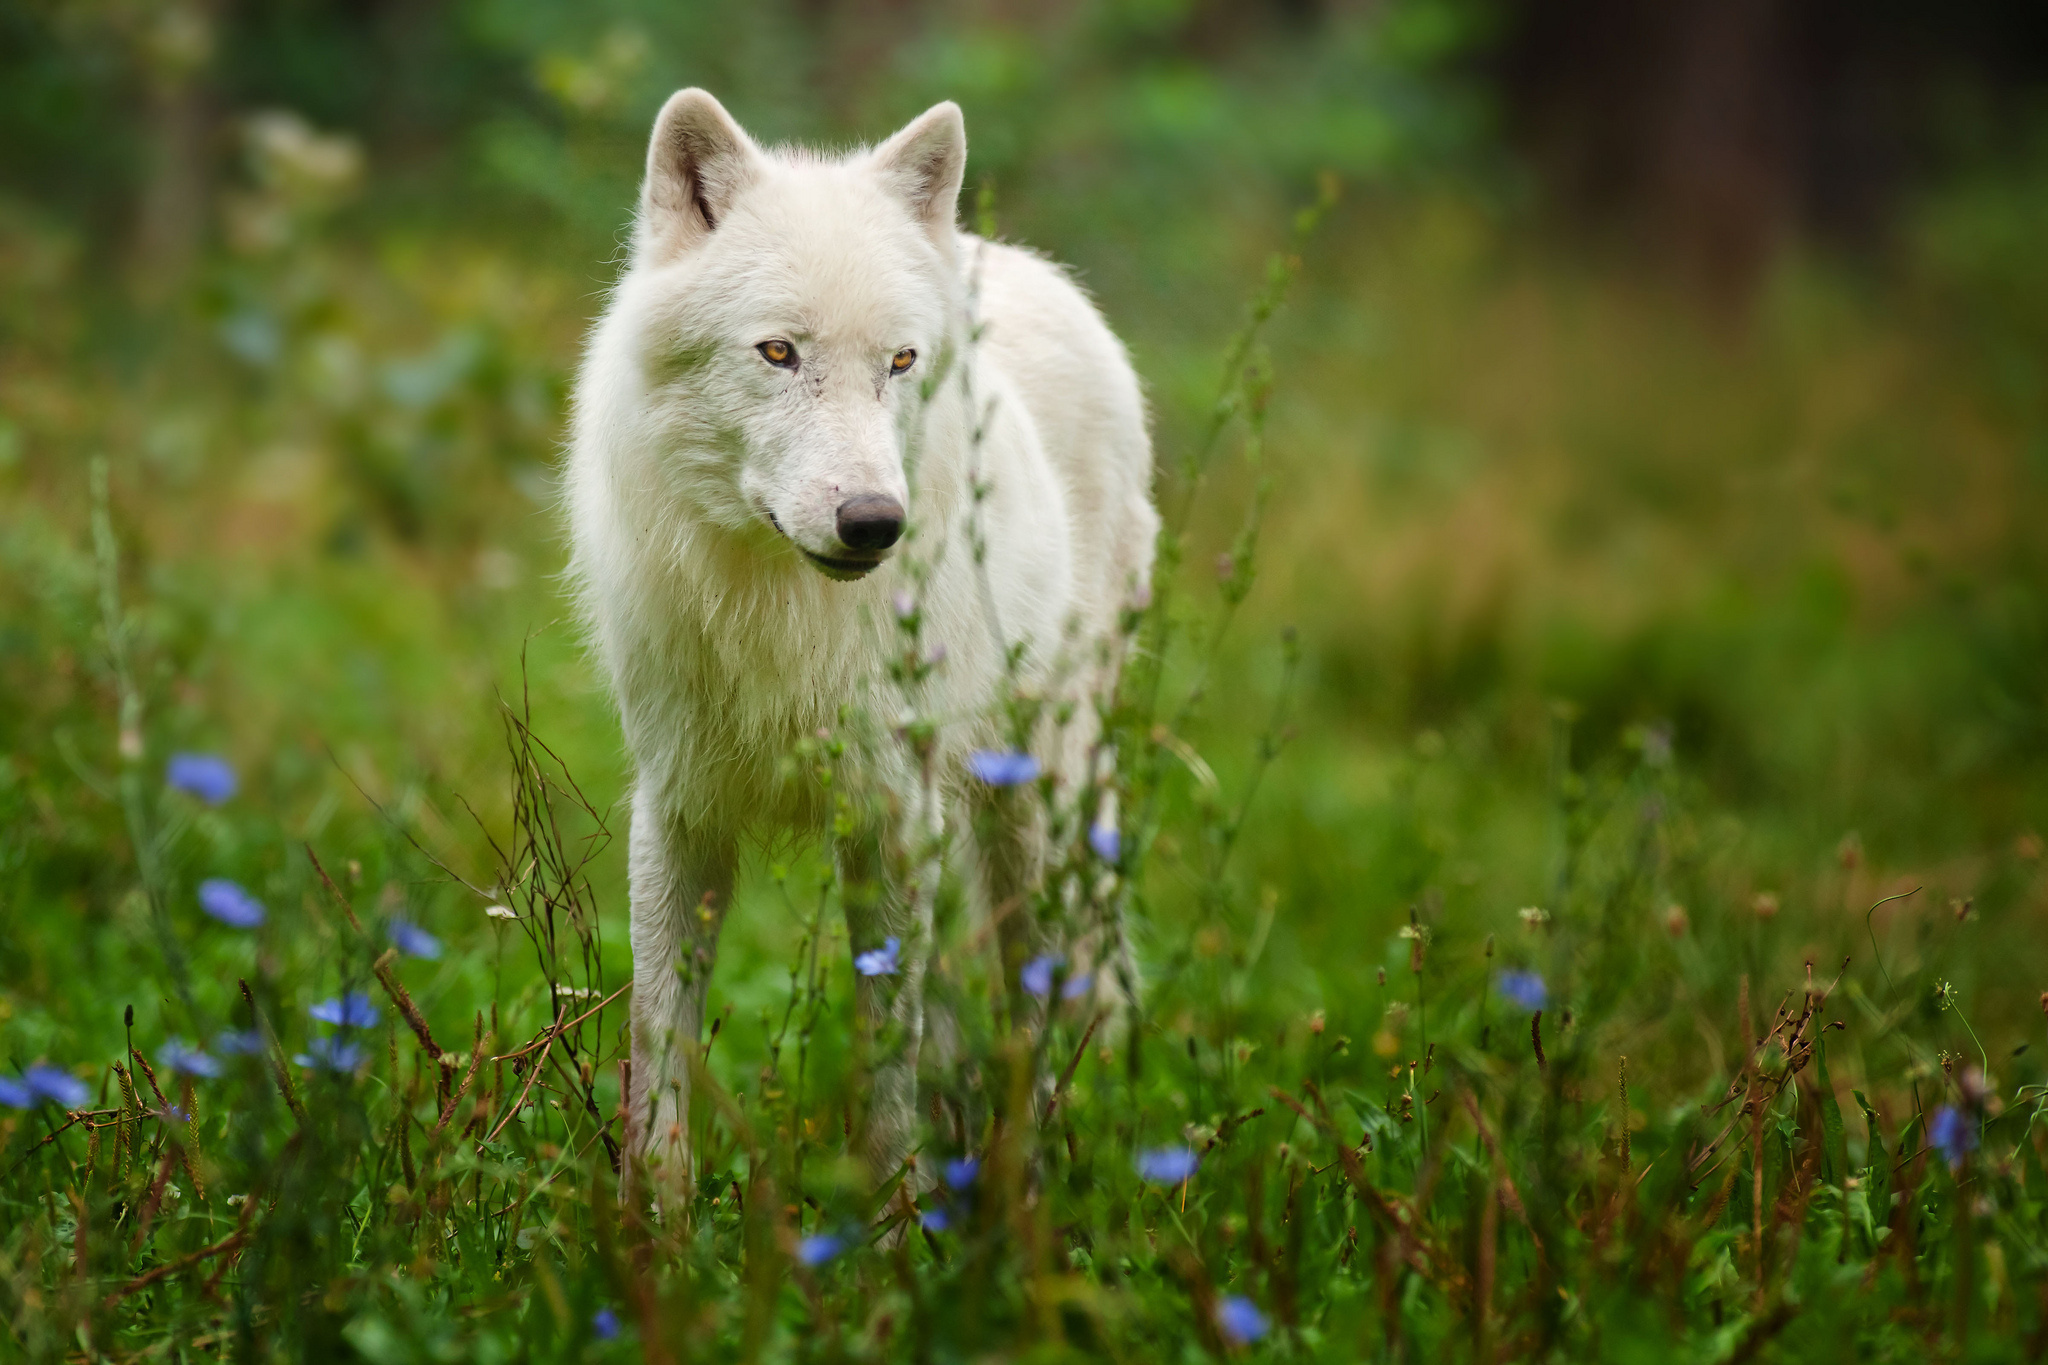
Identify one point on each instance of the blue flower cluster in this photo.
(1525, 989)
(1036, 978)
(1951, 1133)
(880, 961)
(1240, 1320)
(414, 941)
(1003, 767)
(336, 1053)
(44, 1084)
(227, 902)
(211, 779)
(206, 776)
(819, 1248)
(1167, 1165)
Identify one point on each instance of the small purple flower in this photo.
(414, 941)
(1036, 975)
(1240, 1319)
(905, 604)
(189, 1061)
(935, 1220)
(819, 1248)
(1003, 768)
(879, 961)
(1525, 989)
(174, 1114)
(227, 902)
(56, 1085)
(1952, 1133)
(206, 776)
(1167, 1165)
(15, 1095)
(1077, 986)
(1106, 841)
(239, 1043)
(605, 1325)
(960, 1173)
(350, 1011)
(330, 1054)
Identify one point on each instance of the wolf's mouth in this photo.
(838, 570)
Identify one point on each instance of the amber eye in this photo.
(779, 353)
(902, 360)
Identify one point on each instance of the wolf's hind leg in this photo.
(681, 886)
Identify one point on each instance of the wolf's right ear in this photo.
(698, 163)
(924, 164)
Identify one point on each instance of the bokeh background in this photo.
(1666, 387)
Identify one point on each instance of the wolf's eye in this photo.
(778, 353)
(902, 360)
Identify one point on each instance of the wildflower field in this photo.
(1579, 782)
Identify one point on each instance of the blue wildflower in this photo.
(1036, 975)
(227, 902)
(960, 1174)
(1240, 1319)
(350, 1011)
(879, 961)
(605, 1325)
(15, 1095)
(1167, 1165)
(1952, 1133)
(414, 941)
(935, 1220)
(1003, 768)
(1107, 843)
(1077, 986)
(206, 776)
(819, 1248)
(172, 1111)
(55, 1085)
(188, 1060)
(239, 1043)
(330, 1054)
(1524, 988)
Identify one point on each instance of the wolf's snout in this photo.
(870, 522)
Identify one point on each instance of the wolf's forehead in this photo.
(829, 247)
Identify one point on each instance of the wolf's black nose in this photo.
(871, 521)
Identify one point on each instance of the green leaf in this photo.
(1878, 1174)
(1834, 1144)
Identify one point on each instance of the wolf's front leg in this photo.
(888, 895)
(681, 884)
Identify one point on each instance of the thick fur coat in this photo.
(809, 403)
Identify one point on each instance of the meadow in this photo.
(1582, 776)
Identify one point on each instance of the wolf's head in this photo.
(787, 308)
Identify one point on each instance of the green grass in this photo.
(1702, 644)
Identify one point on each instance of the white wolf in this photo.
(786, 383)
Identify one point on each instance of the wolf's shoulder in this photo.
(1011, 271)
(1037, 314)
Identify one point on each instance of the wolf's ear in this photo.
(698, 162)
(923, 164)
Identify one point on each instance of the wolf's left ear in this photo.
(923, 164)
(698, 163)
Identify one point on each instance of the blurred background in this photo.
(1666, 390)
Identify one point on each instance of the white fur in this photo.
(699, 473)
